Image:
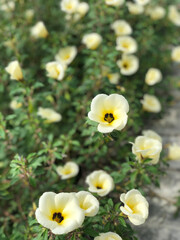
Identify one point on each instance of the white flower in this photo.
(126, 44)
(59, 212)
(69, 6)
(100, 182)
(49, 114)
(39, 30)
(147, 147)
(153, 76)
(10, 43)
(152, 134)
(109, 111)
(134, 8)
(175, 55)
(14, 104)
(113, 78)
(114, 2)
(174, 152)
(142, 2)
(92, 40)
(157, 12)
(121, 27)
(82, 8)
(135, 207)
(128, 65)
(29, 14)
(55, 70)
(15, 71)
(88, 203)
(66, 55)
(151, 103)
(7, 6)
(108, 236)
(174, 15)
(69, 170)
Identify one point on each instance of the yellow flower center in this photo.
(66, 57)
(120, 29)
(67, 171)
(125, 65)
(125, 45)
(69, 6)
(57, 217)
(99, 186)
(108, 117)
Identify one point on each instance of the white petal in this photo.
(68, 226)
(136, 219)
(44, 220)
(116, 101)
(47, 203)
(88, 203)
(97, 104)
(103, 128)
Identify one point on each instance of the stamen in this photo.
(57, 217)
(108, 117)
(125, 65)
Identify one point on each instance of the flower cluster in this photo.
(87, 77)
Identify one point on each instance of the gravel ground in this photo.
(161, 224)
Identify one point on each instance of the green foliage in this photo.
(31, 149)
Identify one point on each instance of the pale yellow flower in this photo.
(10, 43)
(15, 71)
(39, 30)
(100, 182)
(151, 103)
(14, 104)
(175, 55)
(88, 203)
(29, 14)
(142, 2)
(55, 70)
(7, 6)
(121, 27)
(66, 55)
(126, 44)
(69, 170)
(109, 111)
(114, 2)
(82, 8)
(69, 6)
(152, 134)
(174, 15)
(174, 152)
(134, 8)
(129, 64)
(92, 40)
(108, 236)
(147, 147)
(60, 212)
(135, 207)
(157, 13)
(113, 78)
(153, 76)
(49, 114)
